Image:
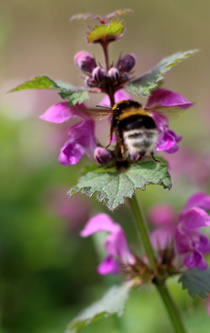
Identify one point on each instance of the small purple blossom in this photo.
(126, 63)
(114, 74)
(162, 99)
(85, 61)
(115, 245)
(81, 136)
(164, 219)
(190, 243)
(102, 155)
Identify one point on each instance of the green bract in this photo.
(146, 83)
(106, 32)
(112, 186)
(113, 302)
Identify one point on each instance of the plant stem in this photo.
(171, 308)
(160, 285)
(142, 228)
(106, 55)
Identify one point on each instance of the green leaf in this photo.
(146, 83)
(113, 302)
(196, 282)
(112, 186)
(74, 96)
(38, 82)
(106, 32)
(66, 90)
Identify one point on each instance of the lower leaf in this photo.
(113, 302)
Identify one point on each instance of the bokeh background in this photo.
(47, 272)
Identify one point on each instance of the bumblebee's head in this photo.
(126, 104)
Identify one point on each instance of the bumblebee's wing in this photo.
(99, 113)
(169, 112)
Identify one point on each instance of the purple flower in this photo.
(102, 155)
(163, 99)
(189, 241)
(115, 245)
(85, 61)
(191, 245)
(164, 219)
(81, 136)
(126, 63)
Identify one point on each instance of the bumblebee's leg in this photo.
(122, 145)
(154, 159)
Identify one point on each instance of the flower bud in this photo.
(90, 82)
(126, 63)
(114, 74)
(98, 74)
(85, 61)
(102, 155)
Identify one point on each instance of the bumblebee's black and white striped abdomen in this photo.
(140, 134)
(140, 141)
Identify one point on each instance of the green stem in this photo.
(106, 55)
(142, 228)
(171, 308)
(160, 285)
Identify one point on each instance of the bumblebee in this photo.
(135, 130)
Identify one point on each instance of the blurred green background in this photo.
(47, 273)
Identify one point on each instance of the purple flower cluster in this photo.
(97, 77)
(81, 137)
(191, 245)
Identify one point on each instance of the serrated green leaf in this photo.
(38, 82)
(196, 282)
(113, 302)
(112, 187)
(66, 90)
(146, 83)
(109, 31)
(74, 96)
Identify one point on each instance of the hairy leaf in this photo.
(112, 187)
(38, 82)
(66, 90)
(113, 302)
(74, 96)
(196, 282)
(146, 83)
(106, 32)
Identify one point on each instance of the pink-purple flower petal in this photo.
(195, 259)
(168, 142)
(100, 222)
(108, 266)
(166, 98)
(194, 218)
(62, 112)
(71, 153)
(199, 199)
